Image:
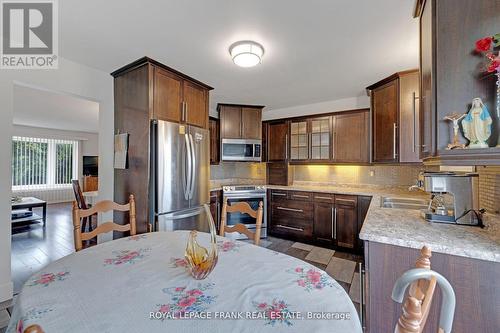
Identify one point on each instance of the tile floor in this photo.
(34, 247)
(341, 266)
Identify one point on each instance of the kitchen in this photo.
(358, 188)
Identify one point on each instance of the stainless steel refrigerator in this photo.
(180, 176)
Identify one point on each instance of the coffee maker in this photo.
(455, 197)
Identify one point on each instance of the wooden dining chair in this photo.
(243, 208)
(33, 329)
(102, 207)
(417, 305)
(82, 204)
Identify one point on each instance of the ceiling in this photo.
(40, 108)
(317, 50)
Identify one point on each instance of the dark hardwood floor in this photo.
(33, 247)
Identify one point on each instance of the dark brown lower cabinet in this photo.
(290, 218)
(345, 228)
(323, 223)
(324, 219)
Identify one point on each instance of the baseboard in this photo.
(6, 291)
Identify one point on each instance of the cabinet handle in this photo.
(289, 228)
(335, 223)
(186, 113)
(286, 147)
(310, 146)
(300, 196)
(279, 194)
(290, 209)
(361, 295)
(414, 121)
(395, 128)
(183, 112)
(325, 198)
(217, 213)
(333, 213)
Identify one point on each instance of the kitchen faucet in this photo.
(419, 185)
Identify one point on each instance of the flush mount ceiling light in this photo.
(246, 53)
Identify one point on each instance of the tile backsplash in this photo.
(238, 170)
(402, 175)
(387, 175)
(489, 188)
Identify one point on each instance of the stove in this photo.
(251, 194)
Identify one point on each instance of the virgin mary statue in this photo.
(477, 124)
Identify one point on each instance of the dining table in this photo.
(142, 283)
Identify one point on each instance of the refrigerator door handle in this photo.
(187, 174)
(183, 214)
(193, 166)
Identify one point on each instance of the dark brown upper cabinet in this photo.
(178, 99)
(427, 82)
(195, 104)
(213, 126)
(351, 140)
(251, 123)
(395, 114)
(240, 121)
(452, 74)
(299, 140)
(277, 141)
(339, 137)
(168, 102)
(311, 139)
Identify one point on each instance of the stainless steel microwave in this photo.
(241, 150)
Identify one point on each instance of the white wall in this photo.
(70, 78)
(352, 103)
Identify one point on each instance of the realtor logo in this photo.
(29, 34)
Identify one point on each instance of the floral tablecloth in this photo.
(140, 284)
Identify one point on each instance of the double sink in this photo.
(404, 203)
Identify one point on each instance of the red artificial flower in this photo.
(494, 65)
(484, 44)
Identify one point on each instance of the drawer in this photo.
(299, 195)
(284, 229)
(279, 194)
(292, 209)
(324, 197)
(346, 200)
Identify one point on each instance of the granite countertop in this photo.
(404, 227)
(216, 185)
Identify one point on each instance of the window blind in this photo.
(43, 163)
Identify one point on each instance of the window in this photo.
(43, 163)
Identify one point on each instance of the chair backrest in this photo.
(80, 199)
(101, 207)
(244, 208)
(417, 305)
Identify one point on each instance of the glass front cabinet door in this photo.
(299, 141)
(310, 139)
(320, 139)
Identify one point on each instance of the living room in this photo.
(54, 141)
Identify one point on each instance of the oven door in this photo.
(240, 150)
(247, 220)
